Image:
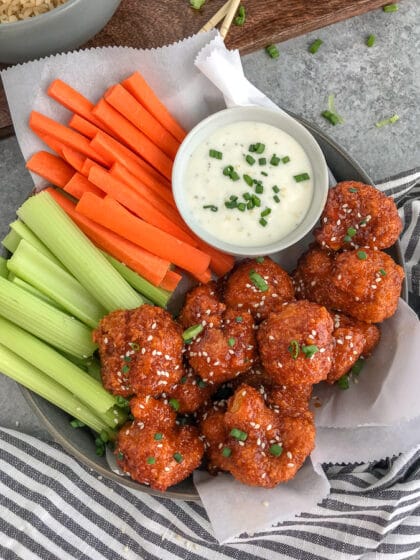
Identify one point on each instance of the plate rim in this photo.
(182, 495)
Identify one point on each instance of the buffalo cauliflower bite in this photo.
(296, 344)
(191, 392)
(259, 286)
(202, 306)
(358, 215)
(256, 445)
(364, 283)
(140, 351)
(153, 449)
(219, 354)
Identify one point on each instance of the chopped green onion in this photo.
(344, 382)
(228, 170)
(358, 366)
(259, 189)
(259, 260)
(215, 154)
(276, 198)
(151, 460)
(262, 161)
(272, 51)
(264, 173)
(263, 222)
(197, 4)
(390, 8)
(276, 449)
(231, 341)
(183, 380)
(158, 436)
(202, 384)
(257, 148)
(234, 176)
(120, 455)
(351, 232)
(246, 196)
(256, 200)
(274, 160)
(178, 457)
(125, 369)
(192, 332)
(241, 207)
(331, 117)
(313, 48)
(238, 434)
(293, 349)
(276, 189)
(361, 255)
(301, 177)
(226, 452)
(370, 41)
(127, 358)
(385, 122)
(174, 403)
(241, 16)
(121, 402)
(258, 280)
(310, 350)
(232, 204)
(382, 272)
(249, 159)
(238, 319)
(248, 180)
(75, 423)
(347, 239)
(285, 159)
(211, 207)
(265, 212)
(250, 205)
(353, 190)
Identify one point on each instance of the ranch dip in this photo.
(249, 184)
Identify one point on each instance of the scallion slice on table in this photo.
(272, 51)
(44, 321)
(37, 270)
(35, 380)
(331, 114)
(390, 8)
(241, 16)
(385, 122)
(63, 238)
(370, 41)
(56, 366)
(314, 47)
(197, 4)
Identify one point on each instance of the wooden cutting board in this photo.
(153, 23)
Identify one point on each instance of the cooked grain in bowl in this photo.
(15, 10)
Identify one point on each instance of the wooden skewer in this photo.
(217, 18)
(227, 22)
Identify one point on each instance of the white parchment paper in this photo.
(376, 418)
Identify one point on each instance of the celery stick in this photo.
(11, 241)
(32, 378)
(25, 233)
(36, 269)
(94, 369)
(156, 295)
(114, 417)
(44, 321)
(22, 284)
(11, 276)
(3, 267)
(64, 239)
(53, 364)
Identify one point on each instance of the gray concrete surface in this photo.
(369, 85)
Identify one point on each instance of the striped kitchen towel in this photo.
(53, 507)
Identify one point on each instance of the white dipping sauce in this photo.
(287, 198)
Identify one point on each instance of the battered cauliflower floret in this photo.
(153, 449)
(296, 344)
(219, 354)
(140, 351)
(256, 445)
(259, 286)
(202, 306)
(358, 215)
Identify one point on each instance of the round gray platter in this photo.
(79, 443)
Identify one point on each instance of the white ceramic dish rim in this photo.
(272, 117)
(34, 20)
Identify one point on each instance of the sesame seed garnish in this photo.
(149, 338)
(290, 465)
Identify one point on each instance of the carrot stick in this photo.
(87, 166)
(149, 266)
(135, 139)
(137, 204)
(55, 145)
(109, 213)
(73, 100)
(78, 185)
(203, 278)
(133, 111)
(83, 126)
(73, 158)
(41, 124)
(220, 263)
(170, 281)
(124, 175)
(140, 89)
(52, 168)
